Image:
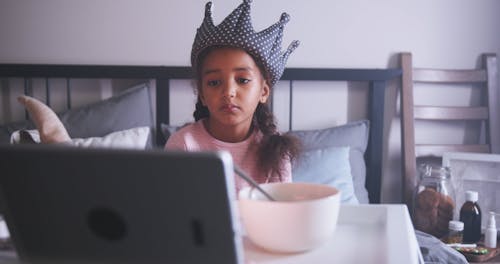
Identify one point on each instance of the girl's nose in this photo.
(229, 90)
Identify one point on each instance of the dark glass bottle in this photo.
(470, 215)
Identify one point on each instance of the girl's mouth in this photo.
(230, 108)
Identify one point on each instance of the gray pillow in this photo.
(129, 109)
(353, 135)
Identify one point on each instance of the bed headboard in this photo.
(377, 79)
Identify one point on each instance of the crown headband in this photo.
(236, 30)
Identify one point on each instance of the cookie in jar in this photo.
(434, 200)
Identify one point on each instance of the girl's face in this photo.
(232, 85)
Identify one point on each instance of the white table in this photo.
(365, 234)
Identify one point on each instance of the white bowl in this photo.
(303, 217)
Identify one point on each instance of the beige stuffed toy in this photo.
(48, 124)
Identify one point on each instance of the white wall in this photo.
(338, 33)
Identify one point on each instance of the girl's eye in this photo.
(213, 82)
(243, 80)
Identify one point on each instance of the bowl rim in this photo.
(327, 197)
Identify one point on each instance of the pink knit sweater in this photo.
(195, 137)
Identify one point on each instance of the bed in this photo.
(162, 77)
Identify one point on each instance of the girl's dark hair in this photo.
(274, 148)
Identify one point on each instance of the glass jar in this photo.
(433, 200)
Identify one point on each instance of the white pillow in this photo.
(134, 138)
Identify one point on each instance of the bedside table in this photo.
(381, 233)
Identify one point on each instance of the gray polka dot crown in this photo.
(236, 30)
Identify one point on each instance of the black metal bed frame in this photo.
(377, 79)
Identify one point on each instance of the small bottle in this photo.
(470, 215)
(455, 232)
(490, 234)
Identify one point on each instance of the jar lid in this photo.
(456, 225)
(471, 196)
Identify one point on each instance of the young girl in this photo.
(235, 69)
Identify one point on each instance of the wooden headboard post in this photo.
(163, 77)
(377, 79)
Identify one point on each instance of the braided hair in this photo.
(274, 148)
